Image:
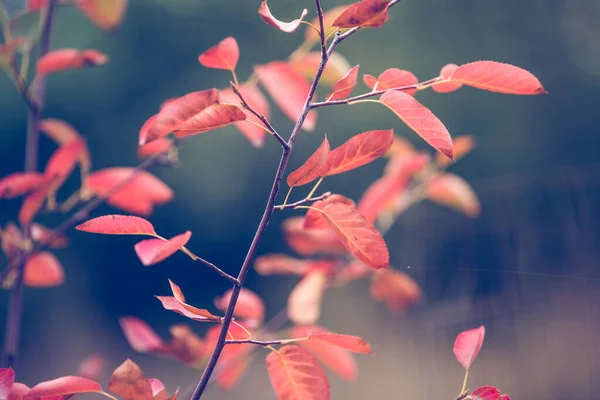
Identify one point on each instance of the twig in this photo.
(260, 116)
(303, 201)
(15, 307)
(211, 265)
(261, 342)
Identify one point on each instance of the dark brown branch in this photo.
(256, 342)
(303, 201)
(212, 266)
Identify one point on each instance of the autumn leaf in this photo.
(153, 251)
(340, 361)
(177, 304)
(304, 302)
(420, 119)
(316, 165)
(365, 13)
(255, 99)
(462, 146)
(64, 386)
(129, 382)
(453, 191)
(351, 343)
(117, 225)
(7, 379)
(308, 242)
(92, 366)
(467, 346)
(32, 204)
(486, 393)
(296, 375)
(395, 289)
(288, 88)
(308, 63)
(43, 270)
(62, 133)
(233, 373)
(359, 150)
(312, 36)
(392, 78)
(343, 88)
(287, 27)
(62, 162)
(20, 183)
(498, 77)
(446, 74)
(194, 113)
(275, 264)
(106, 14)
(140, 336)
(314, 218)
(66, 59)
(185, 345)
(249, 305)
(224, 55)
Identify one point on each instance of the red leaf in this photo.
(462, 146)
(191, 114)
(338, 360)
(177, 304)
(314, 218)
(153, 251)
(140, 335)
(446, 73)
(288, 88)
(106, 14)
(372, 13)
(92, 366)
(224, 55)
(486, 393)
(396, 289)
(467, 346)
(296, 375)
(118, 225)
(128, 381)
(249, 305)
(454, 192)
(65, 59)
(138, 196)
(36, 5)
(43, 270)
(255, 99)
(357, 235)
(62, 162)
(19, 183)
(229, 377)
(185, 345)
(313, 168)
(234, 358)
(348, 342)
(63, 133)
(498, 77)
(308, 63)
(307, 242)
(288, 27)
(280, 264)
(304, 302)
(65, 386)
(420, 119)
(359, 150)
(343, 88)
(32, 204)
(393, 78)
(370, 81)
(312, 36)
(7, 379)
(19, 391)
(156, 147)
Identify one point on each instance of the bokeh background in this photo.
(526, 268)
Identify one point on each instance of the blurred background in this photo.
(526, 268)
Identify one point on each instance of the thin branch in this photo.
(303, 201)
(210, 265)
(324, 53)
(262, 342)
(15, 306)
(260, 116)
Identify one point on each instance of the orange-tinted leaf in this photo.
(177, 304)
(191, 114)
(467, 346)
(128, 381)
(42, 235)
(158, 146)
(343, 88)
(402, 147)
(358, 235)
(296, 375)
(420, 119)
(62, 162)
(255, 99)
(446, 73)
(312, 36)
(19, 183)
(462, 146)
(280, 264)
(370, 81)
(63, 133)
(338, 360)
(307, 242)
(359, 150)
(118, 225)
(43, 270)
(249, 305)
(106, 14)
(351, 343)
(372, 13)
(138, 196)
(65, 386)
(396, 289)
(304, 302)
(224, 55)
(308, 63)
(92, 366)
(288, 27)
(288, 88)
(140, 335)
(392, 78)
(498, 77)
(7, 379)
(65, 59)
(32, 204)
(316, 166)
(19, 391)
(153, 251)
(454, 192)
(314, 218)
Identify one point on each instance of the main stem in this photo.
(15, 306)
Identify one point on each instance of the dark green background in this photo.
(527, 268)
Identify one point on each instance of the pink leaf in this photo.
(67, 385)
(316, 166)
(7, 379)
(20, 183)
(288, 27)
(43, 270)
(118, 225)
(343, 88)
(467, 346)
(249, 305)
(304, 302)
(446, 73)
(153, 251)
(255, 99)
(365, 13)
(140, 335)
(223, 55)
(486, 393)
(65, 59)
(498, 77)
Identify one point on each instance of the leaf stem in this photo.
(303, 201)
(464, 386)
(314, 189)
